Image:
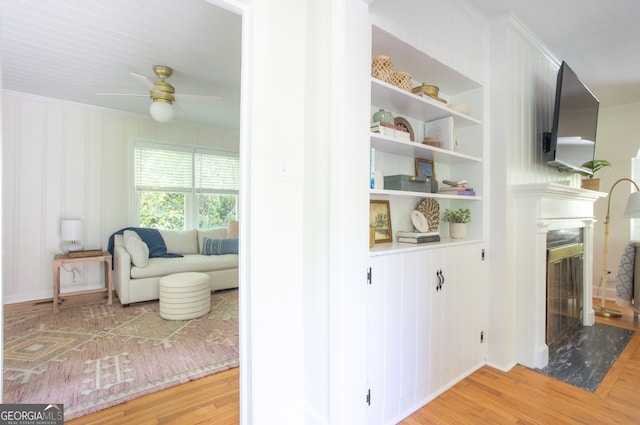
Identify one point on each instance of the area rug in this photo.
(587, 356)
(90, 357)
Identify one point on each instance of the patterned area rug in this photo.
(90, 357)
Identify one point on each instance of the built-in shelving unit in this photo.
(425, 324)
(463, 162)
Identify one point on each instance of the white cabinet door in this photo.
(385, 338)
(375, 337)
(423, 326)
(457, 317)
(398, 333)
(441, 286)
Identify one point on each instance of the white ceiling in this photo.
(600, 40)
(73, 49)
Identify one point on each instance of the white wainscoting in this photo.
(64, 160)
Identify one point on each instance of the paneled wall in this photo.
(523, 80)
(64, 160)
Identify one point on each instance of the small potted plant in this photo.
(458, 220)
(592, 183)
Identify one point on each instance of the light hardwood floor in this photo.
(488, 396)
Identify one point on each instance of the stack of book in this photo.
(395, 131)
(456, 188)
(418, 237)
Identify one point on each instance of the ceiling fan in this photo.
(163, 95)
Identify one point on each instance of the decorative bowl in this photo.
(427, 89)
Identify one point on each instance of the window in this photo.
(180, 188)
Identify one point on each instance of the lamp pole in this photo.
(603, 310)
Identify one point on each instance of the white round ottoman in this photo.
(184, 296)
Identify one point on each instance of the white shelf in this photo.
(411, 105)
(414, 149)
(384, 193)
(398, 247)
(423, 67)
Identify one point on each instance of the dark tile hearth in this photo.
(587, 356)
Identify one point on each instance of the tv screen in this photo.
(572, 140)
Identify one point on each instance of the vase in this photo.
(458, 230)
(591, 184)
(383, 116)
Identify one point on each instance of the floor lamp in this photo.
(631, 211)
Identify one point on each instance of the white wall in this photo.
(618, 141)
(64, 160)
(523, 79)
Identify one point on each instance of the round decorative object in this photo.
(426, 89)
(381, 67)
(431, 210)
(401, 80)
(419, 221)
(384, 116)
(401, 122)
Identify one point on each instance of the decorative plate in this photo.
(419, 221)
(401, 122)
(431, 210)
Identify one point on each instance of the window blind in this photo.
(216, 173)
(162, 169)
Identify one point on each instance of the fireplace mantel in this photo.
(541, 208)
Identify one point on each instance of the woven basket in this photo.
(381, 67)
(401, 80)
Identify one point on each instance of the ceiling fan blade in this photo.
(203, 100)
(122, 94)
(144, 81)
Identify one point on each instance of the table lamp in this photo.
(72, 231)
(631, 211)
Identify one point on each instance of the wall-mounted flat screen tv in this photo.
(572, 140)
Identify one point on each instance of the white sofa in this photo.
(137, 279)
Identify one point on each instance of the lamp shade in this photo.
(161, 111)
(633, 206)
(71, 230)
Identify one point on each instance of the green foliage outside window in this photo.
(215, 210)
(166, 211)
(161, 210)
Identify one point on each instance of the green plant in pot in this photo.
(591, 182)
(458, 220)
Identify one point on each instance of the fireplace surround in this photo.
(540, 209)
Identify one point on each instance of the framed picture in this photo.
(425, 167)
(380, 219)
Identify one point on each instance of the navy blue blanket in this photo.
(153, 239)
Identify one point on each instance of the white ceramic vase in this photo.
(458, 230)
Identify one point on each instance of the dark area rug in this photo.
(587, 356)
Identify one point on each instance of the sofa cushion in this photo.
(188, 263)
(219, 233)
(137, 249)
(181, 241)
(219, 246)
(232, 230)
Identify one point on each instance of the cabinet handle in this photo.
(440, 280)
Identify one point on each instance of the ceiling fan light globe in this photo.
(161, 111)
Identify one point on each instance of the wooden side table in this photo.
(61, 259)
